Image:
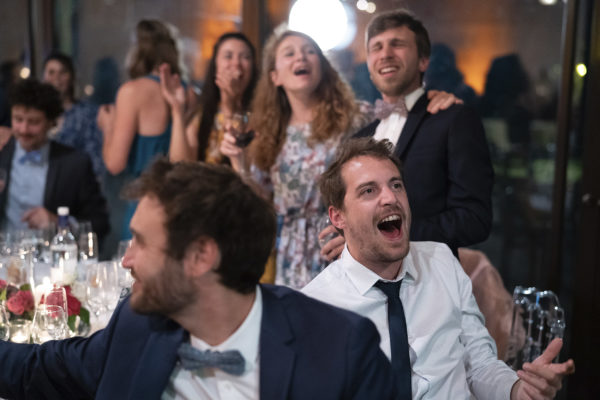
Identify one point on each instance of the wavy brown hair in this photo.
(155, 45)
(334, 111)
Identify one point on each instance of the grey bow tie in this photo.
(230, 361)
(383, 109)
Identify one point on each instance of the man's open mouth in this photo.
(391, 226)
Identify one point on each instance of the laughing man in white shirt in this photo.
(450, 352)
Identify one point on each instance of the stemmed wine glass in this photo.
(124, 275)
(237, 125)
(49, 323)
(4, 325)
(102, 287)
(56, 296)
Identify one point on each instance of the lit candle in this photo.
(19, 331)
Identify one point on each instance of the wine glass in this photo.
(124, 274)
(4, 325)
(88, 247)
(49, 323)
(56, 296)
(237, 125)
(323, 223)
(102, 287)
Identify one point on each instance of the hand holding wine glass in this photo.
(237, 137)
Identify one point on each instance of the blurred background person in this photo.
(106, 81)
(508, 97)
(227, 90)
(76, 127)
(443, 74)
(9, 75)
(137, 128)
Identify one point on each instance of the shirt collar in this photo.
(44, 151)
(245, 339)
(364, 279)
(411, 98)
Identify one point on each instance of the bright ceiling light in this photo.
(581, 70)
(362, 5)
(548, 2)
(371, 7)
(25, 72)
(326, 21)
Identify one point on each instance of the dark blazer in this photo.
(447, 173)
(70, 182)
(308, 350)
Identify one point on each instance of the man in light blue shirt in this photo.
(42, 175)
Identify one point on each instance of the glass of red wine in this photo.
(237, 125)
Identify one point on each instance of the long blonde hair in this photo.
(334, 111)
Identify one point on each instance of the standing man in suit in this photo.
(42, 175)
(197, 324)
(448, 173)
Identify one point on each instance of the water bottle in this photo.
(64, 251)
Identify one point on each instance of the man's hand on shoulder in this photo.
(541, 379)
(331, 244)
(440, 100)
(39, 218)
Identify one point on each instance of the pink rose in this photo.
(73, 304)
(2, 284)
(28, 300)
(15, 305)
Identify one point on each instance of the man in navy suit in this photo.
(447, 168)
(197, 323)
(42, 175)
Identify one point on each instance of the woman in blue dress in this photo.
(137, 128)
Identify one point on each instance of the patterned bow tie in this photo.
(230, 361)
(383, 109)
(33, 157)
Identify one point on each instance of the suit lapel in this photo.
(157, 362)
(6, 157)
(368, 130)
(415, 116)
(276, 355)
(52, 175)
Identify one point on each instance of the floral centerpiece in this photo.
(18, 300)
(78, 317)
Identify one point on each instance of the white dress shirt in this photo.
(452, 355)
(212, 383)
(391, 127)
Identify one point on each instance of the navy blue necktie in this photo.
(398, 336)
(230, 361)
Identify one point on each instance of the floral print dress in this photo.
(298, 205)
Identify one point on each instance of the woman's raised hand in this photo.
(172, 89)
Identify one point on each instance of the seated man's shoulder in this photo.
(132, 326)
(303, 310)
(66, 152)
(433, 255)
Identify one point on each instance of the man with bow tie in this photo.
(448, 173)
(197, 324)
(42, 175)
